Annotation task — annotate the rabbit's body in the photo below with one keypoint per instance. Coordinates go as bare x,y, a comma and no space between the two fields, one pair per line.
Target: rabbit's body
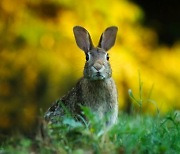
99,96
96,89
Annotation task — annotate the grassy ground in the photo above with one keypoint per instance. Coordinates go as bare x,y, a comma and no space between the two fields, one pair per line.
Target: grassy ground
132,134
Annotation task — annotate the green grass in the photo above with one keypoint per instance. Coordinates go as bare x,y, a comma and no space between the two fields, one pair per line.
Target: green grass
132,134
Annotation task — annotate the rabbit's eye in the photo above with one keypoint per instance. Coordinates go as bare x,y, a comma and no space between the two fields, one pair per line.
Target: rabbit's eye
87,57
107,57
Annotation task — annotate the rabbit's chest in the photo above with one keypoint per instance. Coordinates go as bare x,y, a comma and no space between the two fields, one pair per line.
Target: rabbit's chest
99,100
100,96
102,105
99,106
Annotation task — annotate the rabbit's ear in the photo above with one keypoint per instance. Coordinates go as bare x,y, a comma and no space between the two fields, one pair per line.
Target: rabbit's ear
108,38
82,38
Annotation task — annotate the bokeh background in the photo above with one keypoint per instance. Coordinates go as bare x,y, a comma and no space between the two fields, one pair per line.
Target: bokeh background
40,62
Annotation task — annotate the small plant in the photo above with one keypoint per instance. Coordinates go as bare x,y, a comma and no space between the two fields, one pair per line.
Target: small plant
140,101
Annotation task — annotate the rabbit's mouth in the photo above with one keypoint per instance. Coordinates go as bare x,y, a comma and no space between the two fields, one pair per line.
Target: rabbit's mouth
99,76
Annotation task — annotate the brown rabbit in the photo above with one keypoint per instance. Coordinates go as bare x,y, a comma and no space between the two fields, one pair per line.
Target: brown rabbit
96,89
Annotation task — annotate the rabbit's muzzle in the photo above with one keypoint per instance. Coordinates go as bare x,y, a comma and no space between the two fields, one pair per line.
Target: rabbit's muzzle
98,71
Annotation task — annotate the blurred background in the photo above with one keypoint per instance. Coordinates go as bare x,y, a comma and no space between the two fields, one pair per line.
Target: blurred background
40,62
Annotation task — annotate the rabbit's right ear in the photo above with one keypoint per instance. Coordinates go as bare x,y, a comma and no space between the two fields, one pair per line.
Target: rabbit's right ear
82,38
108,38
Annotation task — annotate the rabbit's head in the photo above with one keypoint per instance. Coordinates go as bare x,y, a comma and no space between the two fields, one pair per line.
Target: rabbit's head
97,65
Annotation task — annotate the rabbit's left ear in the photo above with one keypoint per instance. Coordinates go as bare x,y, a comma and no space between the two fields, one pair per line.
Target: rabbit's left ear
83,39
108,38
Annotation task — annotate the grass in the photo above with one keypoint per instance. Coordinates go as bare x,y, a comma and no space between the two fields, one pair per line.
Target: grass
132,134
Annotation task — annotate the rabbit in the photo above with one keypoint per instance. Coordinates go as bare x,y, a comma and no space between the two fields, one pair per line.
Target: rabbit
96,89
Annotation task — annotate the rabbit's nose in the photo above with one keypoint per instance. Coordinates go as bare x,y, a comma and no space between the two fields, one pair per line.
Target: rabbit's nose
98,67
